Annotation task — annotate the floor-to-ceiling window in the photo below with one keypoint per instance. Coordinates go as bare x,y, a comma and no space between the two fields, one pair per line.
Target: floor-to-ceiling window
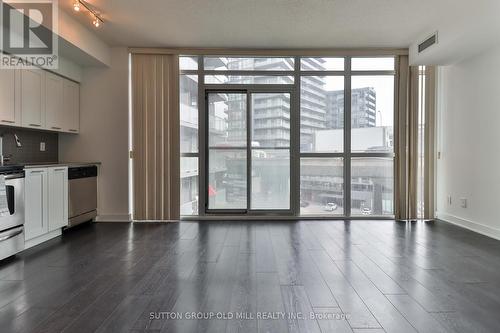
371,139
188,88
322,153
283,134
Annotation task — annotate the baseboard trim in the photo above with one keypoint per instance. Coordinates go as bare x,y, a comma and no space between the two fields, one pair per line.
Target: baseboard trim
470,225
41,239
156,221
113,218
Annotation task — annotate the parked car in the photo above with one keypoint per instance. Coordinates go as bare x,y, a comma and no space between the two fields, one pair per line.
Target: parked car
366,211
330,207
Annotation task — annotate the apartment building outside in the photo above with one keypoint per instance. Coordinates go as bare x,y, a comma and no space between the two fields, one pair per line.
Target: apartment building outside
363,108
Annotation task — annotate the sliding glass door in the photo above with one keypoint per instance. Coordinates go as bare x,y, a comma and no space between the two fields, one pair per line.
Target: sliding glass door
227,151
248,151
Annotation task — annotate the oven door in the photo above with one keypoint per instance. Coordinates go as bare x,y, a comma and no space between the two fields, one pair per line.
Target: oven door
15,198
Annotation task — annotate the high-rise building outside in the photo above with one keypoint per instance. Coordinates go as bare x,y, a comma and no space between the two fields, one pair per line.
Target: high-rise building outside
363,108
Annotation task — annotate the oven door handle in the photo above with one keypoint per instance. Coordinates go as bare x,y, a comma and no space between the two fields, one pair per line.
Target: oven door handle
11,235
14,176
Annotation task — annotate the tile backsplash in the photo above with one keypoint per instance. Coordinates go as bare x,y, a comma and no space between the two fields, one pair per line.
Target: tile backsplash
30,150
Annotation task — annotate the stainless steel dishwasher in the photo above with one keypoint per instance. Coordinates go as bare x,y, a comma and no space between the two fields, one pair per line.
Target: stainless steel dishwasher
82,198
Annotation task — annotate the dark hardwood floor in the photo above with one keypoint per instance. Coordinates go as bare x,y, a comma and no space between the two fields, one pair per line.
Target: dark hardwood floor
358,276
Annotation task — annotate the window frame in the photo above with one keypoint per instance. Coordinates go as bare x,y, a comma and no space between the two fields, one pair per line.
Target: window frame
296,154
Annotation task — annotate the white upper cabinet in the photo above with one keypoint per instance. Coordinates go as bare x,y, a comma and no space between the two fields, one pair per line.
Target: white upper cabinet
71,107
33,98
54,102
10,112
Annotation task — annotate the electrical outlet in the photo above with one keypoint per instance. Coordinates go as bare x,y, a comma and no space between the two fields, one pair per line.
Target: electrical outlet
449,200
463,202
42,146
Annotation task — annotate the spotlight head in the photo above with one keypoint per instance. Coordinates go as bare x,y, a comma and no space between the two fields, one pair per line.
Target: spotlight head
96,22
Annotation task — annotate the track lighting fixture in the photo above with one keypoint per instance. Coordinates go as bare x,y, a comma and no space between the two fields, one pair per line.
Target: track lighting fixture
96,17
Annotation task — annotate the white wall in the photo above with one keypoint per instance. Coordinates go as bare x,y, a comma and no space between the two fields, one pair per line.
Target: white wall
77,43
69,69
461,33
469,142
104,133
85,40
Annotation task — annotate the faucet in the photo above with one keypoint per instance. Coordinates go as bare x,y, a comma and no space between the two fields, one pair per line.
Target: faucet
4,158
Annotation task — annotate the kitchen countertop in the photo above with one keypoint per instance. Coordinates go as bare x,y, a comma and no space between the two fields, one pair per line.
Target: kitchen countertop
55,164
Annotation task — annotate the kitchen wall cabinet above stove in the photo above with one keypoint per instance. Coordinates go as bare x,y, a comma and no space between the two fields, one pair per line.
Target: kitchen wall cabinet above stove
33,97
10,97
37,99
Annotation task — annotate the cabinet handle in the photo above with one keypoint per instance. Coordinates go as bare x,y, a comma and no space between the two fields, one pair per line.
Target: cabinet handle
56,128
36,125
73,130
8,121
62,169
36,171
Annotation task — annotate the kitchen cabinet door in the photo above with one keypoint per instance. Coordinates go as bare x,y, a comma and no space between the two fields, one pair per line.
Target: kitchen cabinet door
9,97
35,206
32,98
58,197
71,107
54,102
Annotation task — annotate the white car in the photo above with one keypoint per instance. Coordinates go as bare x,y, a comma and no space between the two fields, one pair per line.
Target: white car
330,207
366,211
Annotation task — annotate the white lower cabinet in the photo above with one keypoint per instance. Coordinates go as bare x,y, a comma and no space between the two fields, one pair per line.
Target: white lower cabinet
35,203
46,203
58,198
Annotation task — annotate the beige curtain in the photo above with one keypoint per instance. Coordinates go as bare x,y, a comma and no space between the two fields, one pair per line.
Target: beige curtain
412,148
406,140
400,139
429,141
155,137
411,95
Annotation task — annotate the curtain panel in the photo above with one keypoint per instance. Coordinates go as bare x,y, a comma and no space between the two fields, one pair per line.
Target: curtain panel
155,136
429,103
401,139
415,94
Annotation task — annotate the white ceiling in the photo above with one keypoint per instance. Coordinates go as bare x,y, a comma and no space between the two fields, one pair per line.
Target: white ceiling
284,23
